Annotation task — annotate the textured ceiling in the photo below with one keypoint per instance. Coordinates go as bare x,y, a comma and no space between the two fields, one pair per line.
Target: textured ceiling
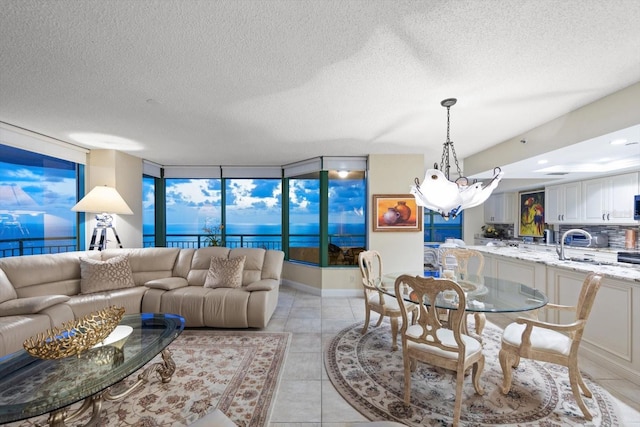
274,82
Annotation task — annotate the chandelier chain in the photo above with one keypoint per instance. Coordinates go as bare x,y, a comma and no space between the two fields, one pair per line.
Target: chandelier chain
444,162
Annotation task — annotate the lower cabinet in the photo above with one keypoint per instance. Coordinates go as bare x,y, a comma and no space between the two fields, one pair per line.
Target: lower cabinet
520,272
609,336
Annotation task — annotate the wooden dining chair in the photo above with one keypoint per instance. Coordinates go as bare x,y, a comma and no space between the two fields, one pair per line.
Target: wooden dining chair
464,262
370,263
550,342
429,342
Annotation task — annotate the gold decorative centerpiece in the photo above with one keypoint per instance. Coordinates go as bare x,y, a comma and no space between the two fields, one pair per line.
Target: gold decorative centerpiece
76,336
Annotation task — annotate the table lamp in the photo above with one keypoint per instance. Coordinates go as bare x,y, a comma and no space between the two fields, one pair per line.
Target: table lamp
104,201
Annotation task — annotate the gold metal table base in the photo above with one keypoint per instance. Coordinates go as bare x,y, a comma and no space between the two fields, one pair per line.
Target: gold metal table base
164,370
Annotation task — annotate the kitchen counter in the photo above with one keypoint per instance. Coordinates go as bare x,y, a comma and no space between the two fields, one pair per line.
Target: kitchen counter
546,254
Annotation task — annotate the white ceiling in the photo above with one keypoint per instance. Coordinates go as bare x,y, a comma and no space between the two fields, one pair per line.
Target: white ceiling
250,82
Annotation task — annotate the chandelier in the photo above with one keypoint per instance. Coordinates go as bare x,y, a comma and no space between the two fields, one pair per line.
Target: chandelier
438,193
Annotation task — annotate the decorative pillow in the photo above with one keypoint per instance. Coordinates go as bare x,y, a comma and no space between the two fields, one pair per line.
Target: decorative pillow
98,276
225,273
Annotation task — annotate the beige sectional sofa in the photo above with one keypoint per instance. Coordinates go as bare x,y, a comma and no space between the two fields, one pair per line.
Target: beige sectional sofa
39,292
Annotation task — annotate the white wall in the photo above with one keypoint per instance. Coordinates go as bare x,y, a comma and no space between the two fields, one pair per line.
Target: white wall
394,174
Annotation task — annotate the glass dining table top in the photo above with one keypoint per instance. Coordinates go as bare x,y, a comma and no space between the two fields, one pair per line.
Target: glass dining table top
30,386
484,294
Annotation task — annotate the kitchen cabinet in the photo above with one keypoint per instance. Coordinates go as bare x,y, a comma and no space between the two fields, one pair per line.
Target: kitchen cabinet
519,272
609,200
610,338
500,208
563,203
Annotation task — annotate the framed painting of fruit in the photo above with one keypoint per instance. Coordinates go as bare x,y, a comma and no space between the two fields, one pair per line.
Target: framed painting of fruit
396,212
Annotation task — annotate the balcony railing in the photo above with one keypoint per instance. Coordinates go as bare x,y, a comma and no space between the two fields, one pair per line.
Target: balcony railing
47,245
37,245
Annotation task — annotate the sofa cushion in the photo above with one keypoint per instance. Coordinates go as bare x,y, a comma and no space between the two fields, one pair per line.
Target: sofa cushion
167,283
262,285
7,292
31,305
225,273
98,276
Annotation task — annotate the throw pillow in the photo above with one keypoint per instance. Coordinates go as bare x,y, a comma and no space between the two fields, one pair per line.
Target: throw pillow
98,276
225,273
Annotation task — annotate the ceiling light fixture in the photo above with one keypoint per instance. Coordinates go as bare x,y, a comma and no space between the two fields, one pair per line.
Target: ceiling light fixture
619,141
446,197
343,174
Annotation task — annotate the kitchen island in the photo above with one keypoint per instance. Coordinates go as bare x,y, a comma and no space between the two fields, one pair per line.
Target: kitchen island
611,337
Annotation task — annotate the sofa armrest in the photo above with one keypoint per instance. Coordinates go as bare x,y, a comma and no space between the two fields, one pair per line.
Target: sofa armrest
30,305
262,285
167,283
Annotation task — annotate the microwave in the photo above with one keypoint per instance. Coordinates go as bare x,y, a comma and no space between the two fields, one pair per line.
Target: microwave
636,207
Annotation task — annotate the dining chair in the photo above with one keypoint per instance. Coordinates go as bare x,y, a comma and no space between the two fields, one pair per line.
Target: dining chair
370,263
551,342
464,262
428,341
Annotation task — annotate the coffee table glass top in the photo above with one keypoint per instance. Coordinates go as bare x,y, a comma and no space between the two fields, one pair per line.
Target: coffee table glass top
484,294
30,386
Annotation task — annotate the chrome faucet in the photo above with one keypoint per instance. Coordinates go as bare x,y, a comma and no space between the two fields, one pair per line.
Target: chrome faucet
560,246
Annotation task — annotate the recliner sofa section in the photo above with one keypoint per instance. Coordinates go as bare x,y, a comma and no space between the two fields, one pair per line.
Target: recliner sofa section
38,292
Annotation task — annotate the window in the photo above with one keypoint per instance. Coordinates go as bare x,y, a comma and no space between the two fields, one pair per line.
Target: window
437,229
304,218
37,193
253,213
191,205
347,220
148,211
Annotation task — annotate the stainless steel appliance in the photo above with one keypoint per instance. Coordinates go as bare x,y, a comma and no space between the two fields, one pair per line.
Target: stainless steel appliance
630,257
596,241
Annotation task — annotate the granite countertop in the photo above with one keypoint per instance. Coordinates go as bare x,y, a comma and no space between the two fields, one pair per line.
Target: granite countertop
614,270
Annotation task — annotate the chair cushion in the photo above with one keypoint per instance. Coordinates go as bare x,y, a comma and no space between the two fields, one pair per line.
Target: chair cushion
472,345
99,276
225,273
541,339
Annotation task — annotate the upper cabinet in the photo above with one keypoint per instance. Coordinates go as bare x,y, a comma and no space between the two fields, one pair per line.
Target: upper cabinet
500,208
563,203
610,200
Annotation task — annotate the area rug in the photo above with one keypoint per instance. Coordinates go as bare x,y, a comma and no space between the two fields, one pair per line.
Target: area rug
370,377
235,371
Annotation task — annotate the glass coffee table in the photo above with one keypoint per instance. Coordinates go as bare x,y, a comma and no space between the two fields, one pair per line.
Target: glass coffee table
30,386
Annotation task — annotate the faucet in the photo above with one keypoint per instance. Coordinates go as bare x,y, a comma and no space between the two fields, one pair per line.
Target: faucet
560,245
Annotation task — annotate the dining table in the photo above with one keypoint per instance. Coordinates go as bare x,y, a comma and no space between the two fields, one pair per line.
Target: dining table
483,293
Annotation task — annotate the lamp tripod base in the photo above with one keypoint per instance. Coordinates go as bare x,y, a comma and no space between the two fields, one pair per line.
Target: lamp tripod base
102,243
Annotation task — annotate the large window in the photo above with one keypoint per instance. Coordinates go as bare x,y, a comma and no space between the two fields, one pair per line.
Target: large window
37,193
192,205
347,220
304,218
253,213
437,229
148,211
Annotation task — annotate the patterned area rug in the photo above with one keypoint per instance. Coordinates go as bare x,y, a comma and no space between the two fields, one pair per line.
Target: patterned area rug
369,376
235,371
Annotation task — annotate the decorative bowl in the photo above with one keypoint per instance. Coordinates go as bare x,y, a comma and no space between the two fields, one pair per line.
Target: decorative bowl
76,336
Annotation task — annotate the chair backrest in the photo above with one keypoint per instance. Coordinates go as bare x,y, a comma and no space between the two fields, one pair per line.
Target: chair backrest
370,263
430,289
587,297
468,261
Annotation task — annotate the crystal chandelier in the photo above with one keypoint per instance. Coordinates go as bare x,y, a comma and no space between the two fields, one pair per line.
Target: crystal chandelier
438,193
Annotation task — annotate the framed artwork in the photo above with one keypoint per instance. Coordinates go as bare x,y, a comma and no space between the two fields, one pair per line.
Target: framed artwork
531,214
396,212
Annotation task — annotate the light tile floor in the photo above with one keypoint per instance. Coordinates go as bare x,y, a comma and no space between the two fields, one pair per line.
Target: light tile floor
306,397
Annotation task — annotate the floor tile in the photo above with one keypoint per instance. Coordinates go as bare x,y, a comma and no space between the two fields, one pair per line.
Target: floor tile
298,402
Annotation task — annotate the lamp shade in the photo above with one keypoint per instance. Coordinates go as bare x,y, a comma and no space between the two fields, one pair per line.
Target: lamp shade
103,199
